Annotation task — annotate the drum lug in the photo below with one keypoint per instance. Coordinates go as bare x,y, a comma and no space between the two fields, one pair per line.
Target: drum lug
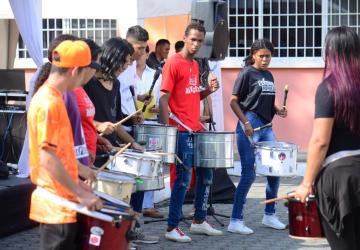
272,154
291,153
307,229
117,222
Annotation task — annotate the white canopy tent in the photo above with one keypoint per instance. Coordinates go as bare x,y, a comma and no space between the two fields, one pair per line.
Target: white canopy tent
28,15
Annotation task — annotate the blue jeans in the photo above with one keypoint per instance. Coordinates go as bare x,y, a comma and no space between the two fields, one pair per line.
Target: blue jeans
246,152
204,176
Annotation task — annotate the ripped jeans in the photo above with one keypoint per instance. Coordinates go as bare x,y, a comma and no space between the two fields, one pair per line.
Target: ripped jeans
204,176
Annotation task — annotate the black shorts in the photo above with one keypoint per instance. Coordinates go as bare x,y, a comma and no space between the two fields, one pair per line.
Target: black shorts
58,236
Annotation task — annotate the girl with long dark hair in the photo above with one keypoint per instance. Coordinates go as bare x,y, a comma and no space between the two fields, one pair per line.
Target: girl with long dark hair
253,102
333,163
103,91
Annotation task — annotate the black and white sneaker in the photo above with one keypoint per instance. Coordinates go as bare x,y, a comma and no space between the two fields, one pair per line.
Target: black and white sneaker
145,239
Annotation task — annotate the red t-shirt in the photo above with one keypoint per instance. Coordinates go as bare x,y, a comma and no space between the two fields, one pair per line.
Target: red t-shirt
87,113
180,78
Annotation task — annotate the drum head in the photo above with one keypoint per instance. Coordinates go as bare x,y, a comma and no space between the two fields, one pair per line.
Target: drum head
138,155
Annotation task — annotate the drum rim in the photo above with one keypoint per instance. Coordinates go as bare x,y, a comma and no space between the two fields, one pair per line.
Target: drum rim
155,125
293,199
102,178
293,145
214,132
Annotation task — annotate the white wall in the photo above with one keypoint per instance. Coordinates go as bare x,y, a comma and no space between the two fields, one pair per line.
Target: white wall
5,10
157,8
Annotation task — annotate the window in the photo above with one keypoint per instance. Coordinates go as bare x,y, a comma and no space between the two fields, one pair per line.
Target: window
344,12
99,30
297,28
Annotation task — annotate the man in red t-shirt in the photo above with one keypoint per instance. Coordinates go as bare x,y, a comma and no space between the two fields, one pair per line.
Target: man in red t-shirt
180,92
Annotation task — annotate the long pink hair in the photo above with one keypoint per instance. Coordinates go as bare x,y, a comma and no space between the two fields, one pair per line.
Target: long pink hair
342,73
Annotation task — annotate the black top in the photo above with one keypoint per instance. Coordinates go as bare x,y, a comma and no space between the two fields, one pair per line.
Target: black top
256,91
341,137
107,104
153,63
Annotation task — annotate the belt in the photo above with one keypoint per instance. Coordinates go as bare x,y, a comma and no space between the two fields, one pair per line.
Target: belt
339,155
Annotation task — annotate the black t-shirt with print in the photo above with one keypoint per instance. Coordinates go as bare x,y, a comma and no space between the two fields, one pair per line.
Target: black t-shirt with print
107,104
341,137
256,92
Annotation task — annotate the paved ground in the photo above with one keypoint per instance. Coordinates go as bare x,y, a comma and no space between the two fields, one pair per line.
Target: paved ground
263,238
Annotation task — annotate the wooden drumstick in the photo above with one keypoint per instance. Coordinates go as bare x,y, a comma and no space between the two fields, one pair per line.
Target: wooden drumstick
286,90
264,126
124,120
112,158
163,153
278,198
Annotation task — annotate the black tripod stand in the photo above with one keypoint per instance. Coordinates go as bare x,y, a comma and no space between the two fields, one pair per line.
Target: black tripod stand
211,210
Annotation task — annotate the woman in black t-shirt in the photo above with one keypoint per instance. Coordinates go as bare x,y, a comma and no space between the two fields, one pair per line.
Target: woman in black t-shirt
333,164
253,102
103,90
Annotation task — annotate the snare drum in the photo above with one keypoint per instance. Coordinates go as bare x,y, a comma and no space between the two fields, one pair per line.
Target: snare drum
274,158
115,184
106,232
136,164
304,219
158,136
152,183
214,149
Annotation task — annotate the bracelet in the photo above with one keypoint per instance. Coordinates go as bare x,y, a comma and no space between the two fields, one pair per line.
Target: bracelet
245,123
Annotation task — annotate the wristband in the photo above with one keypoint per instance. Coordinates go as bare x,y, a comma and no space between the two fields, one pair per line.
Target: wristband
245,123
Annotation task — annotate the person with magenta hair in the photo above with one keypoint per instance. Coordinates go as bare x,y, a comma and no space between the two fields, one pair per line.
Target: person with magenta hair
253,102
333,163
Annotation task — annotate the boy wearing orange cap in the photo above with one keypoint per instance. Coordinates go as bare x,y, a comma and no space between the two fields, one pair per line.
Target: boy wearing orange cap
53,165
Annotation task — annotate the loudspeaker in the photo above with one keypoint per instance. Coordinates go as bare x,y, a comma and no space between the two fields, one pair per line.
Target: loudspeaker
213,15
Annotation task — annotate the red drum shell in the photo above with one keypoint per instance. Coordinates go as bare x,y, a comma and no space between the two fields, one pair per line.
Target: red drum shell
114,236
304,219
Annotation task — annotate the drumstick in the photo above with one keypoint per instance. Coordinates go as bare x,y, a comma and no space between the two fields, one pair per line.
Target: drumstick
112,158
278,198
124,120
163,153
286,90
264,126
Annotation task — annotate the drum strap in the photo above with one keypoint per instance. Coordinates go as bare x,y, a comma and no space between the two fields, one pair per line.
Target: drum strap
339,155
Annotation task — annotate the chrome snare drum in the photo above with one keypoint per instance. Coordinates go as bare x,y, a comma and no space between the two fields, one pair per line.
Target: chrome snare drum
274,158
158,136
114,184
136,164
214,149
151,183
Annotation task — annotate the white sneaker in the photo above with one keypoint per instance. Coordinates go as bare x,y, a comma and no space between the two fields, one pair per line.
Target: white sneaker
204,228
238,227
177,235
273,222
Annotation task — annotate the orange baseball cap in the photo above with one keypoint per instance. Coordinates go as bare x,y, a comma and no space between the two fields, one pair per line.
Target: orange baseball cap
70,54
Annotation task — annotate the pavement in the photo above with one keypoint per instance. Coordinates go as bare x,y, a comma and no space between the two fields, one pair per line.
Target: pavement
263,238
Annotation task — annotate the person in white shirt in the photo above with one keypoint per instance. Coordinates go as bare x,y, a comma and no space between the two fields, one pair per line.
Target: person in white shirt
144,79
137,37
